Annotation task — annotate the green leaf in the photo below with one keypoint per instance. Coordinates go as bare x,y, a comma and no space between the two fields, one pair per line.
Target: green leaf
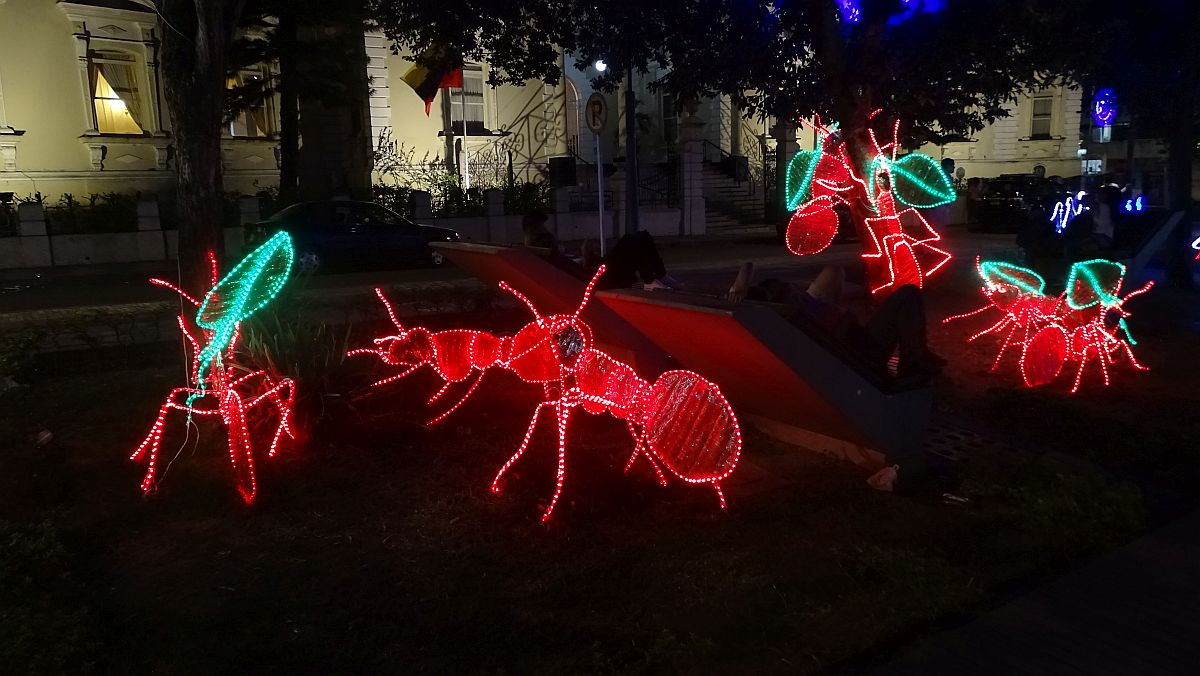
800,172
918,181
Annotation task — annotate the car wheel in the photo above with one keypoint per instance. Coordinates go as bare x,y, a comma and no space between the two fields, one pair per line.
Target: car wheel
437,258
308,262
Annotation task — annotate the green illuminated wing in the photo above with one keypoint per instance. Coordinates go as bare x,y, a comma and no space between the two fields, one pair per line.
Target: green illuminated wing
918,181
1094,281
250,285
998,272
800,172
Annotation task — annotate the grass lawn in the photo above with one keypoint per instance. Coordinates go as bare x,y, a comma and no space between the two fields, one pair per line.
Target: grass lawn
377,548
1143,426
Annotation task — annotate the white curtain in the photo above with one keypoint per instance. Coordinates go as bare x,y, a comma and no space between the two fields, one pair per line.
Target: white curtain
120,78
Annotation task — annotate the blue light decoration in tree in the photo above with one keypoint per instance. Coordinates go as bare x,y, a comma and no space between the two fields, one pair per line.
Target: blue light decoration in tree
851,10
1104,107
910,8
1134,205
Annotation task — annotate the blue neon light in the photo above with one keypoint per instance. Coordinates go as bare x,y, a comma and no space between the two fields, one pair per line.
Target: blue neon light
1104,107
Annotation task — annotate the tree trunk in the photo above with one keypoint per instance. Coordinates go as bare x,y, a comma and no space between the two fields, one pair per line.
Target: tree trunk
850,105
289,113
1180,144
196,42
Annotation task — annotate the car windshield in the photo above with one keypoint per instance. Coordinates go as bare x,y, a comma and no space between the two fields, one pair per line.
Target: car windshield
297,214
1002,189
380,216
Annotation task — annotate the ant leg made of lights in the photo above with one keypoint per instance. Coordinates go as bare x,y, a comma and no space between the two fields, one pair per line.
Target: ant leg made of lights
512,460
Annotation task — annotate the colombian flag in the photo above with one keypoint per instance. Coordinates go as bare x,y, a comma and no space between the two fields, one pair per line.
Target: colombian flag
442,71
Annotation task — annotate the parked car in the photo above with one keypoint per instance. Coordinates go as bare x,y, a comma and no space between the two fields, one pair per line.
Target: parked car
1005,203
342,233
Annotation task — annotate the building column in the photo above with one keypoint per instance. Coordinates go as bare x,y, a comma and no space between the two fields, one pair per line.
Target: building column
691,172
616,184
82,45
786,147
153,116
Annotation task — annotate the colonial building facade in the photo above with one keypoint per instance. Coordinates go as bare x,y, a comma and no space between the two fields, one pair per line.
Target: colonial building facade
82,109
82,112
1042,129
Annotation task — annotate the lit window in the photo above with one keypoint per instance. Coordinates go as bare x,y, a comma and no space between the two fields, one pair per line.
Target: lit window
115,97
1102,134
472,98
1043,111
256,120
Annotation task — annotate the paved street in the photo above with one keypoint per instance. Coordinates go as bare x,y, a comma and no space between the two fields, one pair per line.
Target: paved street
1133,611
710,263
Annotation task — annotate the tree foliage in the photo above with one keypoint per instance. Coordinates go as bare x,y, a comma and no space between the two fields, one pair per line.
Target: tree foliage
269,33
521,40
947,67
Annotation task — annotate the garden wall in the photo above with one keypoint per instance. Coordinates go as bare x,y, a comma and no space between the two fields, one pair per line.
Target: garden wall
34,247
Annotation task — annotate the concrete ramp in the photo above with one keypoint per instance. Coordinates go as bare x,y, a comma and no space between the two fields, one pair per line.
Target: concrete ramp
786,375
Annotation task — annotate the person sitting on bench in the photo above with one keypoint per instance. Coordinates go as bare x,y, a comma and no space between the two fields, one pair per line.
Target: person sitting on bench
634,260
533,224
896,325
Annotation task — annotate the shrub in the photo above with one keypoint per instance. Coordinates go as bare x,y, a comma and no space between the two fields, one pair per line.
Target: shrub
108,212
8,221
398,198
522,198
286,339
168,210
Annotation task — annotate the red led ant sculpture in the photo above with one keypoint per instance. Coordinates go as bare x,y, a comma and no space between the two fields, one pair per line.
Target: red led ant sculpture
680,422
901,250
1084,323
249,286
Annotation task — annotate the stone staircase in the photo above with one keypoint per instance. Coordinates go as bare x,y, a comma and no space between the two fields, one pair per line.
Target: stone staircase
731,207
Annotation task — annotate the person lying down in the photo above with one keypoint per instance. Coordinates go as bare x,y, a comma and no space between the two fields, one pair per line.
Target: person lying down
895,326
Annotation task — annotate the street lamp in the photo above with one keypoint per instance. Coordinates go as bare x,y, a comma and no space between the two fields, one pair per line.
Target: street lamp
600,66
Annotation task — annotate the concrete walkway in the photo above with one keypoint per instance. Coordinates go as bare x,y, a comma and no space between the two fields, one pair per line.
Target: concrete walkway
1133,611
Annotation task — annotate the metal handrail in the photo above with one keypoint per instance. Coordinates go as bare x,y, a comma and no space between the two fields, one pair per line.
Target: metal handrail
573,150
731,171
724,153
